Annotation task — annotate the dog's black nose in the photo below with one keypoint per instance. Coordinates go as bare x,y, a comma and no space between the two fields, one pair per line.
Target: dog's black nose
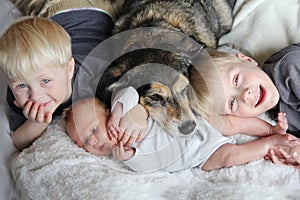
187,127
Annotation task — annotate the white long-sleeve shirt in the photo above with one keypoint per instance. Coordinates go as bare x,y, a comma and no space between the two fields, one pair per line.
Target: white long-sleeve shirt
159,151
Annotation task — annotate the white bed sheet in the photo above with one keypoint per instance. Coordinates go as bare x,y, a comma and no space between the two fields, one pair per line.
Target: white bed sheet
262,27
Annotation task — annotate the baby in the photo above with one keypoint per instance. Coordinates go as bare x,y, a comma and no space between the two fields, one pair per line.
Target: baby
92,127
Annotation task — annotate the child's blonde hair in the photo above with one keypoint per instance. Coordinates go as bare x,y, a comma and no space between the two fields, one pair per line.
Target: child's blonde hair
204,79
31,41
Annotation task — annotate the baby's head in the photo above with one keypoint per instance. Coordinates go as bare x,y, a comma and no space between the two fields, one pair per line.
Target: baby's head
233,84
86,125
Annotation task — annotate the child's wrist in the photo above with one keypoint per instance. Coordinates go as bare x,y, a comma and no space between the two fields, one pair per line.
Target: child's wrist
117,111
144,111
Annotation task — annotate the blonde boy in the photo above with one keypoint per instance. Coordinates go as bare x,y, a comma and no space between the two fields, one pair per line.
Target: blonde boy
39,74
41,61
246,92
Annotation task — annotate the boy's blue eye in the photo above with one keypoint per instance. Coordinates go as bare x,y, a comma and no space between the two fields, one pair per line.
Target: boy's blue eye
236,80
232,103
94,130
46,81
22,85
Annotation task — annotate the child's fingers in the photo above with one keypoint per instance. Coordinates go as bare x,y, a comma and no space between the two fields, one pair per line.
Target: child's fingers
121,148
125,136
284,153
113,129
33,112
27,108
48,117
111,132
274,158
40,114
115,152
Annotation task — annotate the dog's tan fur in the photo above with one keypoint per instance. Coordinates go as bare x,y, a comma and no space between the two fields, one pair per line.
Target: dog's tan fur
169,106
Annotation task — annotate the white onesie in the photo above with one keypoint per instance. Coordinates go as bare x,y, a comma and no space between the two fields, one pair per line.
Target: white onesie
159,151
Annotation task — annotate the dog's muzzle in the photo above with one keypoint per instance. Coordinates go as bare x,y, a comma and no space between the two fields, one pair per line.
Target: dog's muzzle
187,127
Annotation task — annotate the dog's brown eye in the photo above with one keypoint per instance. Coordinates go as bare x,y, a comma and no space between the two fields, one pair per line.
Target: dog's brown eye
157,97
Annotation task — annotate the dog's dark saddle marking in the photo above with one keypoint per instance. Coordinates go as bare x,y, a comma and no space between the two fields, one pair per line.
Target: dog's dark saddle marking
133,59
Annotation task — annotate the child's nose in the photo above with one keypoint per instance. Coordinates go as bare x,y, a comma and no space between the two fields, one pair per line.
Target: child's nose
247,95
36,94
93,140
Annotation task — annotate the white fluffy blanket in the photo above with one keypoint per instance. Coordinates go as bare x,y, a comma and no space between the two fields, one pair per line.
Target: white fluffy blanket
55,168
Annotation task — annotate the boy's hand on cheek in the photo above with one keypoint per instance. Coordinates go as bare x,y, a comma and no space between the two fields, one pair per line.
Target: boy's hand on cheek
35,112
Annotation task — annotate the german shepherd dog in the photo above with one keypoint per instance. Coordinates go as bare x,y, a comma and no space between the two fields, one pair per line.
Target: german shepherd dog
165,91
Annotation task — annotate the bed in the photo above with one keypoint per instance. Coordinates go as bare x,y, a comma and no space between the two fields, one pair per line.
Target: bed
55,168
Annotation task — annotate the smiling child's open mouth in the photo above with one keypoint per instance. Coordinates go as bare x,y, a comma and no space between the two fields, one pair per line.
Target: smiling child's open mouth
261,96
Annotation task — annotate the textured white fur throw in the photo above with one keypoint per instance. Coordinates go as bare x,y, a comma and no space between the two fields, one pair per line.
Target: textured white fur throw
55,168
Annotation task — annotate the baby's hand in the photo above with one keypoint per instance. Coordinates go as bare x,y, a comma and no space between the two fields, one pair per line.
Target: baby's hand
134,125
121,152
33,111
281,126
114,120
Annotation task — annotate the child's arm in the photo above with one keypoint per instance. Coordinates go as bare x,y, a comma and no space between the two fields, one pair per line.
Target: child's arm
134,125
253,126
232,154
128,120
114,120
36,123
131,127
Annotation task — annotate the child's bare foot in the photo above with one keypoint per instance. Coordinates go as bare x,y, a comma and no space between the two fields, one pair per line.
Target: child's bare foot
282,124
